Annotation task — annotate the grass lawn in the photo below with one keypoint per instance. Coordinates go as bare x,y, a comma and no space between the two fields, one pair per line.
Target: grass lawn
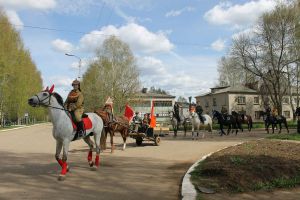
295,136
255,165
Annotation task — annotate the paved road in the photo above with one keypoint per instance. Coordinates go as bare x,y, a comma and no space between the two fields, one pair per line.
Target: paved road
28,169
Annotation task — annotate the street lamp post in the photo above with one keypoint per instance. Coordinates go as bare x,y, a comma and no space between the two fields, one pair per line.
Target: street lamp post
79,67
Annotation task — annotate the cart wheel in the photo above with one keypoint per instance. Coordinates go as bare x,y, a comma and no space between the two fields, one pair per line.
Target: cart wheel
139,141
157,141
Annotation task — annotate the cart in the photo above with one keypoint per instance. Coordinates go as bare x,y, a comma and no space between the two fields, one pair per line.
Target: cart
147,135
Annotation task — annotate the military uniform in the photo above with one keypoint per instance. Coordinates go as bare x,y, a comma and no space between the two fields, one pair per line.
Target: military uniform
108,107
176,111
74,104
199,111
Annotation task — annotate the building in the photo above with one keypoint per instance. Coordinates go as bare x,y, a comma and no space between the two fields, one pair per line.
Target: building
163,103
241,99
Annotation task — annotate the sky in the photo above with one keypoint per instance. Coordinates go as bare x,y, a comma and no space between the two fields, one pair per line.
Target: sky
177,43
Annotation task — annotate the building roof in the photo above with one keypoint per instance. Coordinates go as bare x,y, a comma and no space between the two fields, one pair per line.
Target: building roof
230,89
154,95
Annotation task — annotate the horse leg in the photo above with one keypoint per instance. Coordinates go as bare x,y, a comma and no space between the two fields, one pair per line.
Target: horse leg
97,138
112,141
64,169
124,133
286,126
90,154
267,127
273,128
280,127
59,145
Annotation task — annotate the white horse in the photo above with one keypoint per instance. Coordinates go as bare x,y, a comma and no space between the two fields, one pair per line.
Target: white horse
196,123
176,124
63,130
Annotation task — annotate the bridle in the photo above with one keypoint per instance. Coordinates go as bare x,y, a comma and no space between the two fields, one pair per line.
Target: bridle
41,102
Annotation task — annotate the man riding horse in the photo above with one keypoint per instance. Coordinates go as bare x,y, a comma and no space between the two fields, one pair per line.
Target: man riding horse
199,111
108,107
176,111
74,104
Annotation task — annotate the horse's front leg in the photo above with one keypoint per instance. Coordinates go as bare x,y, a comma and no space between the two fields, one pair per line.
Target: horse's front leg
90,154
273,127
66,144
280,127
58,150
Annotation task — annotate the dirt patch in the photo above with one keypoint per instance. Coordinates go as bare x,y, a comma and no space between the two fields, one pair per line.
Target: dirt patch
254,165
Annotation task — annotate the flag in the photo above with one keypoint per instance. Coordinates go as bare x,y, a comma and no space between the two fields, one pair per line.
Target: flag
128,112
153,118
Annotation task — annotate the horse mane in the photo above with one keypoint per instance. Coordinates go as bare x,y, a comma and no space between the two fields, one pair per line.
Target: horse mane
58,98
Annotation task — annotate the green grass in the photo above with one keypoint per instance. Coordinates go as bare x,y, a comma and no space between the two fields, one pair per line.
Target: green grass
8,127
295,136
278,183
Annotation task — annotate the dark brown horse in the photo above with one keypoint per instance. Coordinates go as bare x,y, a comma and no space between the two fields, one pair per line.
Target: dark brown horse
121,125
243,119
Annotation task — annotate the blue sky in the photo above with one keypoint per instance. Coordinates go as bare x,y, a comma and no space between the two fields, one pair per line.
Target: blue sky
177,43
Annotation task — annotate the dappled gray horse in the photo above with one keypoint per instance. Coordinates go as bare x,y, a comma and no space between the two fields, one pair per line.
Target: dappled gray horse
176,124
64,130
196,123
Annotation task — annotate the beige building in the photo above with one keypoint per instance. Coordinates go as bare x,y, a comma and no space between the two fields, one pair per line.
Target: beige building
163,103
240,99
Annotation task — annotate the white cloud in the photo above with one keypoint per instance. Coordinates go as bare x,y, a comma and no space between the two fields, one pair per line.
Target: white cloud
14,19
138,37
238,15
28,4
218,45
62,46
175,13
151,66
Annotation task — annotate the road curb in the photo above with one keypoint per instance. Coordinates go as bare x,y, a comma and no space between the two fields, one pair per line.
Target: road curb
24,126
188,191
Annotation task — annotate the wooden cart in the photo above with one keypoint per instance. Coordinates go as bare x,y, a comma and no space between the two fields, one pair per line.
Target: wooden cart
149,135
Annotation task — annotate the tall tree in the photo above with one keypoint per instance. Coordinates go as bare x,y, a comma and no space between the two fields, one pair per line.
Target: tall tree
114,73
266,54
16,66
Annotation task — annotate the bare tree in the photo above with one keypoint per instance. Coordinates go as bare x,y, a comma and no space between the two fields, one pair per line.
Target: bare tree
265,54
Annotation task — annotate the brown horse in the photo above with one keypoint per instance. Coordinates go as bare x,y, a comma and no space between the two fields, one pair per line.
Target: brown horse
243,119
121,125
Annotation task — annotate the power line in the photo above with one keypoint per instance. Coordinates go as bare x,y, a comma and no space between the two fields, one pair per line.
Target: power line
82,32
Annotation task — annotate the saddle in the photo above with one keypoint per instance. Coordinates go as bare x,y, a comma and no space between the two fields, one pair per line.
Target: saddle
87,123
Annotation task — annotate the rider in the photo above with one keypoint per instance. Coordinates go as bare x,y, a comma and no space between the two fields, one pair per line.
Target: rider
108,107
145,122
137,121
199,111
176,111
74,104
274,112
224,111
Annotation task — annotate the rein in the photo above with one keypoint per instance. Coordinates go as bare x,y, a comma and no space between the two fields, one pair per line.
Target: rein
48,97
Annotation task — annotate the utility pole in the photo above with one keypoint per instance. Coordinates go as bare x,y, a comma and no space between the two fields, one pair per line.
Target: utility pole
79,65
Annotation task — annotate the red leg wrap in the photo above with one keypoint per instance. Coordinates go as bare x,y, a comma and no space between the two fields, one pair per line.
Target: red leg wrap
60,162
64,168
97,160
90,156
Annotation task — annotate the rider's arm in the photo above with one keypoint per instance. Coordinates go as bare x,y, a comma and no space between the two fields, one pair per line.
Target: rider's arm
79,101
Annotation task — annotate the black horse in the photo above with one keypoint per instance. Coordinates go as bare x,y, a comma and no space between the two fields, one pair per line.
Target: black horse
226,120
243,119
272,120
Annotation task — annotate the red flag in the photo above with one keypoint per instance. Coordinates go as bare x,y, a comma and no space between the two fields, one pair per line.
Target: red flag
128,112
153,118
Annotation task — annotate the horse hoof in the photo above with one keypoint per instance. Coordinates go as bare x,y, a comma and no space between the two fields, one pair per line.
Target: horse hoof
91,164
94,168
61,177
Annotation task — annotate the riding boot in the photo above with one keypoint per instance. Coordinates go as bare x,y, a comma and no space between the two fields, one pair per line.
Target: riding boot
80,129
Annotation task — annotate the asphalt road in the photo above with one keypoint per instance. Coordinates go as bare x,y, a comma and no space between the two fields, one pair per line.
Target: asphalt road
28,169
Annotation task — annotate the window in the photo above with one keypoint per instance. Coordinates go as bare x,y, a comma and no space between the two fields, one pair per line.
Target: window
214,102
295,101
241,100
257,115
287,114
162,103
256,100
206,103
285,100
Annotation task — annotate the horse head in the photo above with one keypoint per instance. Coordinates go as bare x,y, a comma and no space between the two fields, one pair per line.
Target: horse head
42,98
215,114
